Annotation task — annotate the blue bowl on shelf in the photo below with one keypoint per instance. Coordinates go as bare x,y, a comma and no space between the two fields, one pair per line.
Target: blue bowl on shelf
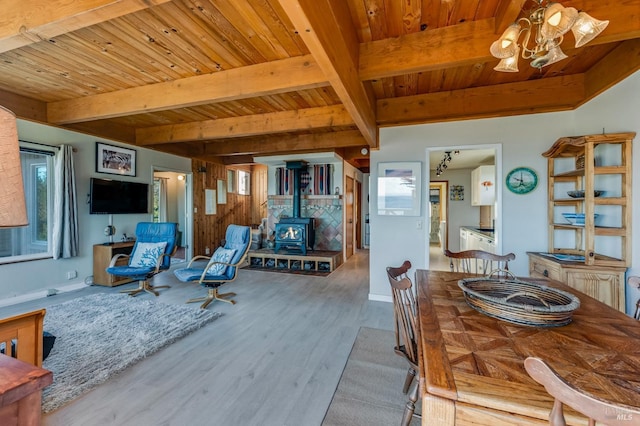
577,219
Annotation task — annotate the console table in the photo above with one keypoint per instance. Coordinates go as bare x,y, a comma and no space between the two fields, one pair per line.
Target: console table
472,366
102,254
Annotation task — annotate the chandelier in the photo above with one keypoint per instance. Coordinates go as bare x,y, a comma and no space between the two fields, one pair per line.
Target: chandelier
549,23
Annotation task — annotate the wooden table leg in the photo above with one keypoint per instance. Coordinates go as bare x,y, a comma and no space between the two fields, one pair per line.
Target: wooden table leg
438,411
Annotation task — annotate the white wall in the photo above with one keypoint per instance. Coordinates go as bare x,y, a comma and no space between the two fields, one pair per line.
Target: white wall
31,278
618,110
523,139
460,212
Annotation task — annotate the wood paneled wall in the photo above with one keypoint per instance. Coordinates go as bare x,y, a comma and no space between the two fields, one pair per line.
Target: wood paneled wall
208,230
259,178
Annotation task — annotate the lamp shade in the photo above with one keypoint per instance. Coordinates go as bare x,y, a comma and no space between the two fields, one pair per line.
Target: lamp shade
506,45
587,28
555,54
558,20
509,64
13,211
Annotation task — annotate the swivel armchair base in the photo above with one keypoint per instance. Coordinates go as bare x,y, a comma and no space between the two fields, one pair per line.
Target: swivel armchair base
145,286
212,295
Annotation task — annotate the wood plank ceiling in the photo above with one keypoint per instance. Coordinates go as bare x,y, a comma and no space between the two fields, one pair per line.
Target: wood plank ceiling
227,80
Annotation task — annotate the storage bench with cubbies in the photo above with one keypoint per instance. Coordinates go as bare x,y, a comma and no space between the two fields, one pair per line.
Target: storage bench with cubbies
314,261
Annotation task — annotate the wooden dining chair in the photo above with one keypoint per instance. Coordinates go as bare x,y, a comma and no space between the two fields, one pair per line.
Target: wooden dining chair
635,281
406,331
596,410
480,262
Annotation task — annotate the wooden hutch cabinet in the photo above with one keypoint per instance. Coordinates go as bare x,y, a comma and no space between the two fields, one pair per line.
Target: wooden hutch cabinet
589,175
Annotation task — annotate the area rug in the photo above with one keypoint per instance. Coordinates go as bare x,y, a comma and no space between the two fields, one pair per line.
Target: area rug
100,335
369,392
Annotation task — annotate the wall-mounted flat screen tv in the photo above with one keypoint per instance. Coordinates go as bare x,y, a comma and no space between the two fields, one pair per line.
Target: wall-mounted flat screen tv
108,196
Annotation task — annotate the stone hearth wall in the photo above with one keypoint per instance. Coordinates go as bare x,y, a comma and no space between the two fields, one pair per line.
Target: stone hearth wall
325,209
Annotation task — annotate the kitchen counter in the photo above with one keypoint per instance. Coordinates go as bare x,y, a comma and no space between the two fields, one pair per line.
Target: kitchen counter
475,238
486,232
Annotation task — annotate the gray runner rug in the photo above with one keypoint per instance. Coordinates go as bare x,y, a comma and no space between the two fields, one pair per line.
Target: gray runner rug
370,390
100,335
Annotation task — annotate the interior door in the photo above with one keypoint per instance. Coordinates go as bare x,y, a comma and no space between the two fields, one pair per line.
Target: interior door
348,213
357,213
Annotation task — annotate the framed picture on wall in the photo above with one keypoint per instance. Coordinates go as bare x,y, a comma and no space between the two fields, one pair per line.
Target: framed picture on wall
222,192
210,202
399,188
456,193
115,160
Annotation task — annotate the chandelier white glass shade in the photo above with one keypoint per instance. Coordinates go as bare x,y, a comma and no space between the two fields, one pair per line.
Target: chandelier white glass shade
545,29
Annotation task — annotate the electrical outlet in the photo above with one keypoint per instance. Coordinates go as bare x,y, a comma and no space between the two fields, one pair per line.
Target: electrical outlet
72,274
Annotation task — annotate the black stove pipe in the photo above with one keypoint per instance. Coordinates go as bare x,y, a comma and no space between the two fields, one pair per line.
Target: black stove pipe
298,167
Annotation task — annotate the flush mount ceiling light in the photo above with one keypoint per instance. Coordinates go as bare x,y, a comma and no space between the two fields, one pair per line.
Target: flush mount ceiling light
364,151
549,22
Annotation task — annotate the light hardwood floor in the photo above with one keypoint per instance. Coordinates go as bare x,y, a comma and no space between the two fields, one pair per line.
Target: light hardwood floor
275,358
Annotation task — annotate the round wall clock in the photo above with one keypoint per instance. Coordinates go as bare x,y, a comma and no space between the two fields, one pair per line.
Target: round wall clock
522,180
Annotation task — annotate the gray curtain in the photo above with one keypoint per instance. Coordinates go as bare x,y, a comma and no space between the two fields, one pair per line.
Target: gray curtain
65,239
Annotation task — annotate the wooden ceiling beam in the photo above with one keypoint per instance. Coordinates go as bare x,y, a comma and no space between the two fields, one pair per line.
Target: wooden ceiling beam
325,27
619,64
285,75
234,160
544,95
428,50
468,43
285,143
251,125
24,22
507,13
24,107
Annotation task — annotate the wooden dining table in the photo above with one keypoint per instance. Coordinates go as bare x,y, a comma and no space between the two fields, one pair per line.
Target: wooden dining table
472,365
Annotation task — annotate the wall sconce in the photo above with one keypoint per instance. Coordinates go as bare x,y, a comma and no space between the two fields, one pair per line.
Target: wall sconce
202,169
180,177
13,210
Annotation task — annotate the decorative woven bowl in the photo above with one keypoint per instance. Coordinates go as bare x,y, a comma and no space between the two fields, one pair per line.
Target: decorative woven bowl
519,302
580,193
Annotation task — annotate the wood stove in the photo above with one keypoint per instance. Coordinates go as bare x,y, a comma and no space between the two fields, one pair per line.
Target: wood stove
295,233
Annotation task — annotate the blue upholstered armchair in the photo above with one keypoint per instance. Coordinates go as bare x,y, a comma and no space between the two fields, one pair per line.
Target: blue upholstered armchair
155,244
221,268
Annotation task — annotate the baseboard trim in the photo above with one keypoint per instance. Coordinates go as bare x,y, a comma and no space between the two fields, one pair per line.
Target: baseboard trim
380,298
41,294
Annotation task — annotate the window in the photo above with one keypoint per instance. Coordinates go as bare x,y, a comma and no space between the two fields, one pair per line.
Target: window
32,241
231,181
244,182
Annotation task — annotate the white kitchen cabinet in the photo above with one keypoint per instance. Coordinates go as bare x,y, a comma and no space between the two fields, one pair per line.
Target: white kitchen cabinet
483,186
463,239
488,244
471,239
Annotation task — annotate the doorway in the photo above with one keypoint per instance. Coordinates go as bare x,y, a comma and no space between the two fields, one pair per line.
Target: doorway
438,235
349,189
170,200
450,169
